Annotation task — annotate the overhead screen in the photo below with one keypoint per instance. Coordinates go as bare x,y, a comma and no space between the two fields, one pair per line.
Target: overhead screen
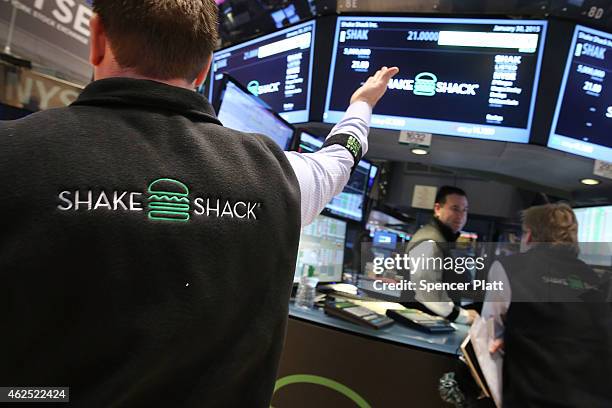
349,203
461,77
240,110
582,123
276,67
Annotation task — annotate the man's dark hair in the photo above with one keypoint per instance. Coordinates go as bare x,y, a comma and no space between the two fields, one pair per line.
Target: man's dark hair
162,39
445,191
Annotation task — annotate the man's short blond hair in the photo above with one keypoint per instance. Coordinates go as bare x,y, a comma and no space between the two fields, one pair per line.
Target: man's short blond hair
161,39
553,223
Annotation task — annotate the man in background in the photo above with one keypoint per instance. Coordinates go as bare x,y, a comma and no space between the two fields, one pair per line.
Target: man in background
434,241
551,319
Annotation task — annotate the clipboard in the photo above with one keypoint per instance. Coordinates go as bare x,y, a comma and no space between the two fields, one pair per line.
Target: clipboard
469,354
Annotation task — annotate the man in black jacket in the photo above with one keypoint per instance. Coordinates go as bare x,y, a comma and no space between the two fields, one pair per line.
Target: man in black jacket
552,318
147,253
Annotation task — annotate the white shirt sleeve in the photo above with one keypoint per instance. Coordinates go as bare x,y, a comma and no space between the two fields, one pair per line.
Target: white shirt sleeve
497,303
436,301
323,174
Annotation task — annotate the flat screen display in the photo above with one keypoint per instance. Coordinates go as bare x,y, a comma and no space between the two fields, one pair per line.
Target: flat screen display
322,245
240,110
276,67
474,78
385,239
582,123
595,234
349,203
309,143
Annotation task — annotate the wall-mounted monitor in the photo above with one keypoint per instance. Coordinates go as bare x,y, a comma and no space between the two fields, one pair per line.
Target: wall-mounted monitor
474,78
238,109
582,123
276,67
350,202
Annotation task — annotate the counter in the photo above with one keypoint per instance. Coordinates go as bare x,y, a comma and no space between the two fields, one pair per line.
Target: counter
329,362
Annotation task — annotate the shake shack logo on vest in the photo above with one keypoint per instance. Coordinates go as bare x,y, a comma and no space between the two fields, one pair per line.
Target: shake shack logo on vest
165,200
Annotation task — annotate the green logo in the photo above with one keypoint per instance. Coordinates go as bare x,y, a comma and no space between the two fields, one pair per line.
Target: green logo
253,87
353,145
575,282
325,382
168,200
425,84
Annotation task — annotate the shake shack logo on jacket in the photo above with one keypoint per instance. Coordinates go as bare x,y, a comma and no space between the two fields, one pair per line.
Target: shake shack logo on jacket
168,200
165,200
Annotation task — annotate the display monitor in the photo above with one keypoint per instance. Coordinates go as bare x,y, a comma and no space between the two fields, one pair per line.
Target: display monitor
322,245
474,78
595,234
582,123
309,143
240,110
385,239
276,67
349,203
594,224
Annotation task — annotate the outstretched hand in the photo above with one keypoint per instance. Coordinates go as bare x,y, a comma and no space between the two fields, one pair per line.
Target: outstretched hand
375,87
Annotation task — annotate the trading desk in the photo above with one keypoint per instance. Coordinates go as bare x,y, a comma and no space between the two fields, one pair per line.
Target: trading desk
329,362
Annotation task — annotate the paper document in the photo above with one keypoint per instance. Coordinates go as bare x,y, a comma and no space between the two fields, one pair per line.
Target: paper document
482,333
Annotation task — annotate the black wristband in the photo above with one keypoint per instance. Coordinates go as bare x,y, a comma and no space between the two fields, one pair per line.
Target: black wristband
350,143
454,314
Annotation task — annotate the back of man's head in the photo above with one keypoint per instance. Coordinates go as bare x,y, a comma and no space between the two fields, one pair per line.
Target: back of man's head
553,223
445,191
162,39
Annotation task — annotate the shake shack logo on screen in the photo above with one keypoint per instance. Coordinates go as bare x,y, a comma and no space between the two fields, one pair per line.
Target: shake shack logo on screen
427,84
257,89
166,200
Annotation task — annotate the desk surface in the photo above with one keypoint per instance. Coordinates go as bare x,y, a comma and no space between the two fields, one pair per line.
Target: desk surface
447,343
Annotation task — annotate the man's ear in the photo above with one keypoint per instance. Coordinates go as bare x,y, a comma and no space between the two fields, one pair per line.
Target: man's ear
203,73
436,208
528,236
97,40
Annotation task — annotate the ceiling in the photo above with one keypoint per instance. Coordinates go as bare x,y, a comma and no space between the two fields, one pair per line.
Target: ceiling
530,167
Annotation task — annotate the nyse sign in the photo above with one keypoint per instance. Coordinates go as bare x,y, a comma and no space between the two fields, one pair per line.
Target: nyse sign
29,90
64,23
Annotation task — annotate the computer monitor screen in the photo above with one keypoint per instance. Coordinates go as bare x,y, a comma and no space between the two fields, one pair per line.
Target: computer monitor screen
309,143
385,239
582,123
349,203
240,110
322,245
276,67
595,234
594,224
474,78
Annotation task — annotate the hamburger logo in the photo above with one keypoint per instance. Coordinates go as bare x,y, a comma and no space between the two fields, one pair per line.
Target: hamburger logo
168,200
